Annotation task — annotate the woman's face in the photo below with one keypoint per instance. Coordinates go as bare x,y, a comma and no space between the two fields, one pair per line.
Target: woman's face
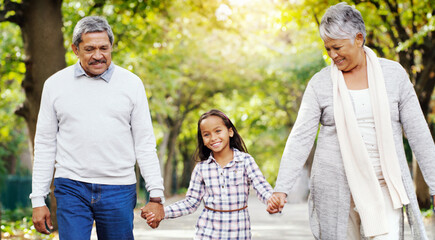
345,54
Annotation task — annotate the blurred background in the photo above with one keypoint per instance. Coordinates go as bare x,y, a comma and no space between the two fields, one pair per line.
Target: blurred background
249,58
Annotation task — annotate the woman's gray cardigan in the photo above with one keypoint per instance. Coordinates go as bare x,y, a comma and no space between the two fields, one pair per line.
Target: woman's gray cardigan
329,200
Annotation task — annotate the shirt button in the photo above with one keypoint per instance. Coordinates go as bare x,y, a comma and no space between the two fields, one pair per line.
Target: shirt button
222,186
222,174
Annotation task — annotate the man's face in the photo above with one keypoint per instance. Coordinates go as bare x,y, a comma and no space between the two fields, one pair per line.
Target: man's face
94,53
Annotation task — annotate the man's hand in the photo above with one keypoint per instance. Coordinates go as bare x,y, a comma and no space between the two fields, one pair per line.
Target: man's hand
41,216
276,202
157,210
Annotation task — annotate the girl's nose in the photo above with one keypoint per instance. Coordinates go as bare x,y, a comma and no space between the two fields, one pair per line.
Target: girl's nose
213,136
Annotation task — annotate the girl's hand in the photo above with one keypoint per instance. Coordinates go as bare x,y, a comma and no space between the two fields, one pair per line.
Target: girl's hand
150,217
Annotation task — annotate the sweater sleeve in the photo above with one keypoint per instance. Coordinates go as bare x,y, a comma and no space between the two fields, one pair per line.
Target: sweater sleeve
417,131
300,141
45,149
145,144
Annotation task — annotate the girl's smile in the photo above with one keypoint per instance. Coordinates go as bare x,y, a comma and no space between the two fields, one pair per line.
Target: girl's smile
216,145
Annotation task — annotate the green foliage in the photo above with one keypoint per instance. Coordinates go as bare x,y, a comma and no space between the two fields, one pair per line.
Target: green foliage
17,224
12,128
193,56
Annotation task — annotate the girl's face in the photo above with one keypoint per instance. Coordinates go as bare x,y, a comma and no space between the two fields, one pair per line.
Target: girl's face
345,54
215,135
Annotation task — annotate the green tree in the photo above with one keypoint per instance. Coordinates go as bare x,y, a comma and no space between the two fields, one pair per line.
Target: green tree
12,139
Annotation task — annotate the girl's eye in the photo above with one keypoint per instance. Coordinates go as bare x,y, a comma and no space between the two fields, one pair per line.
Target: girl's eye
218,130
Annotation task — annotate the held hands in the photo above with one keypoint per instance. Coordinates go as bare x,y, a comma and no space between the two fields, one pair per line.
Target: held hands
41,216
276,202
153,213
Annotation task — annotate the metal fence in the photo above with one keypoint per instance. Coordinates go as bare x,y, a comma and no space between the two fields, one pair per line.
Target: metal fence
15,191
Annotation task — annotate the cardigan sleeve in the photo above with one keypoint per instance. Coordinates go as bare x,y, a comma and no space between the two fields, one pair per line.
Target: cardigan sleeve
417,132
300,141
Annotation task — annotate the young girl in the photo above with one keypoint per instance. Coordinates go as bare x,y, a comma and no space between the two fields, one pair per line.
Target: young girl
222,179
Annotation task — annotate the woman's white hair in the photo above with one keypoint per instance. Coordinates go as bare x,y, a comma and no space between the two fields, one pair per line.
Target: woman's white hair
342,21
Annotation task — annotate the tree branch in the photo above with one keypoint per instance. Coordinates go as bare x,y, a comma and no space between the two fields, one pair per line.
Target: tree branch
97,4
386,22
8,7
403,36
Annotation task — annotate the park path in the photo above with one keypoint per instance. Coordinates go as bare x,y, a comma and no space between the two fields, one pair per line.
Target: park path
291,224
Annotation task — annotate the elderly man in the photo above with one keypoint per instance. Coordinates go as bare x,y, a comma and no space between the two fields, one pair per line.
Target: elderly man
93,125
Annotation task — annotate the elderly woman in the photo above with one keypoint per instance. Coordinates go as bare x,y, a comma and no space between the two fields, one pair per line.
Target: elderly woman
360,179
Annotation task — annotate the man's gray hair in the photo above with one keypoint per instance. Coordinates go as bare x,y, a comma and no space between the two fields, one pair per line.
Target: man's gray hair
90,25
342,21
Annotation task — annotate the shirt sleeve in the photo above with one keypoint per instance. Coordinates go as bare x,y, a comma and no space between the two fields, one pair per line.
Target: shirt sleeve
259,182
145,144
194,195
417,132
300,141
44,149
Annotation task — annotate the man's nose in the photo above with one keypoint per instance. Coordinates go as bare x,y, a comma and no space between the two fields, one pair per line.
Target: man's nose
97,55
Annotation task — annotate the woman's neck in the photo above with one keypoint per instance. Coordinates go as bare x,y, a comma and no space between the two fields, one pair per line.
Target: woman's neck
224,157
356,78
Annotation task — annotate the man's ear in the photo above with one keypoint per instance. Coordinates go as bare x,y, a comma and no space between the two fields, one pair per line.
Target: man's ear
75,49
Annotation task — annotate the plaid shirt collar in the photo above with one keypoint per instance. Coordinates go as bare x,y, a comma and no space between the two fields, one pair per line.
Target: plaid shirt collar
106,75
237,157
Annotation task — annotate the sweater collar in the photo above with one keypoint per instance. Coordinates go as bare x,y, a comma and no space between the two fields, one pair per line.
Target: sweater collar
106,75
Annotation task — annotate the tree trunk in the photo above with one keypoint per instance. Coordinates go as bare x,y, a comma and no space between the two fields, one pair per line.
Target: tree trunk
41,30
188,165
425,84
169,164
421,188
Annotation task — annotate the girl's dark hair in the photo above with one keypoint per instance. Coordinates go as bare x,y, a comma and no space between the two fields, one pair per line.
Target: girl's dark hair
202,152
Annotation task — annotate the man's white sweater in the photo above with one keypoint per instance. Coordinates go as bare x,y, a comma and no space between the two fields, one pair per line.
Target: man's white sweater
93,131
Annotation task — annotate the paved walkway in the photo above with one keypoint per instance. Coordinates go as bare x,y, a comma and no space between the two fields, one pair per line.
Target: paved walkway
291,224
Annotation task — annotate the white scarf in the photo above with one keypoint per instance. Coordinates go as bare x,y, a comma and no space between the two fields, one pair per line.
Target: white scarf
361,177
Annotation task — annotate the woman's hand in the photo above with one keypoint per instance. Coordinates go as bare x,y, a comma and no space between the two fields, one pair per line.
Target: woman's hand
276,202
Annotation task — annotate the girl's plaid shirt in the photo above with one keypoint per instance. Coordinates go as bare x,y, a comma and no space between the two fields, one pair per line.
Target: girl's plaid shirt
222,189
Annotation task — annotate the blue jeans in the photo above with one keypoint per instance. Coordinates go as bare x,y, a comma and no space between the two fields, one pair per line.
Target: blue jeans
80,203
